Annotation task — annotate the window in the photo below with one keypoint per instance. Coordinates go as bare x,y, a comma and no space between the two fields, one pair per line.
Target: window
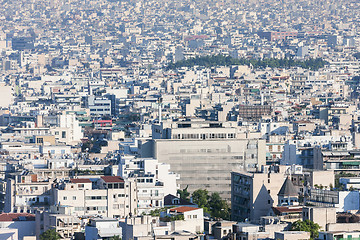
63,134
40,140
74,197
65,198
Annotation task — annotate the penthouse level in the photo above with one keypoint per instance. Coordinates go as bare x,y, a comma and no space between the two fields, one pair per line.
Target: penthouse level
194,130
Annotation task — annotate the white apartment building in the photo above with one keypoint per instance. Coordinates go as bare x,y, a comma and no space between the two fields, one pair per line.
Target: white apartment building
130,165
25,194
69,131
154,180
60,218
102,228
109,196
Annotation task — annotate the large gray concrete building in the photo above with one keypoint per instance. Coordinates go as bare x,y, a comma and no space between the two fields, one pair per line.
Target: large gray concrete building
204,154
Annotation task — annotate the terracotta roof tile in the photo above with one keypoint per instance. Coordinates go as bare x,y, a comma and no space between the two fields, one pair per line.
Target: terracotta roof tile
112,179
9,217
80,180
183,209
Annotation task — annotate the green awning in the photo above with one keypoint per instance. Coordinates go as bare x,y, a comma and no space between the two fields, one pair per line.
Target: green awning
351,163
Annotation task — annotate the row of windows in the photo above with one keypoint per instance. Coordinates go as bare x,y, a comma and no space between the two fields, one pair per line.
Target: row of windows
63,134
120,195
204,150
115,185
66,198
95,197
100,208
100,110
204,136
63,151
118,206
142,180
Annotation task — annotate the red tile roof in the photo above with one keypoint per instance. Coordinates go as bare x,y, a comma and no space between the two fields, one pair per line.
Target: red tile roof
182,209
80,180
287,209
9,217
112,179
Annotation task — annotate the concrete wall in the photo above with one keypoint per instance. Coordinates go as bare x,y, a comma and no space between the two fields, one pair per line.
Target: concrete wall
24,228
324,178
343,227
348,201
208,163
9,234
320,215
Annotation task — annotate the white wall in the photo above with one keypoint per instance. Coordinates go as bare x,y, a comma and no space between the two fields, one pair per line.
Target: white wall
348,201
24,228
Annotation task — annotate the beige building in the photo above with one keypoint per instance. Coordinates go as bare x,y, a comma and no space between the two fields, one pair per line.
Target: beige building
253,194
320,215
292,235
60,218
25,194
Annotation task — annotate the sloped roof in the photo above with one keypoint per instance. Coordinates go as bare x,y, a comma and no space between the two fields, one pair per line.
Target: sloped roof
288,189
286,209
10,217
168,201
112,179
183,209
80,180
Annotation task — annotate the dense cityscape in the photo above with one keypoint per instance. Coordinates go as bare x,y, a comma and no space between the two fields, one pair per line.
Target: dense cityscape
139,120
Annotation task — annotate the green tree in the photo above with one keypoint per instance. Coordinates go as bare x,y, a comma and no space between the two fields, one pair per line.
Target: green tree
115,238
201,198
50,234
219,208
307,226
221,60
184,194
